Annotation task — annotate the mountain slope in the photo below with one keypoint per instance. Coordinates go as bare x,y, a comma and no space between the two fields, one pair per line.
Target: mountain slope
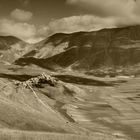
6,41
12,48
117,47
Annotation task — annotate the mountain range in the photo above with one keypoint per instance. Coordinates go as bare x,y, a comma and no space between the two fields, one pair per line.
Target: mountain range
107,49
80,86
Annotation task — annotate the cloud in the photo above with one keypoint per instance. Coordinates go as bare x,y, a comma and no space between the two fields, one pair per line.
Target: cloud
100,14
21,15
106,7
18,26
18,29
75,24
32,34
124,12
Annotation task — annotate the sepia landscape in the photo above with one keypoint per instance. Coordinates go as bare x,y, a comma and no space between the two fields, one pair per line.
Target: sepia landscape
75,78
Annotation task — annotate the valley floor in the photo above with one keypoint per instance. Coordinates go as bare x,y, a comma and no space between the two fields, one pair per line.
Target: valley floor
78,108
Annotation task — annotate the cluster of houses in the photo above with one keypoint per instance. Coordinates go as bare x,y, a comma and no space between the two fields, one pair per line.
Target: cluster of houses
38,81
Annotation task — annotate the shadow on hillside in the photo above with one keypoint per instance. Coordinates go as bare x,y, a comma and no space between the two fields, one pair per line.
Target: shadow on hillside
64,78
16,77
63,59
81,80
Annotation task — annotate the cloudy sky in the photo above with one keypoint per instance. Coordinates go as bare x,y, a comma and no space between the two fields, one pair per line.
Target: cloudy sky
34,20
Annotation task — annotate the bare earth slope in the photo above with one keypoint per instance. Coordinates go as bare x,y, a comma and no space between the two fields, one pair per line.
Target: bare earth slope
12,48
117,48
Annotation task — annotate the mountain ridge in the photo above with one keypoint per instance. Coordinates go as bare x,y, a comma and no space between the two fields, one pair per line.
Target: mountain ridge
12,48
116,47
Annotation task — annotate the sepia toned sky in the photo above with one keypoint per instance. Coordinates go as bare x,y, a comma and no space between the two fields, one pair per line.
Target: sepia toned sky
34,20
